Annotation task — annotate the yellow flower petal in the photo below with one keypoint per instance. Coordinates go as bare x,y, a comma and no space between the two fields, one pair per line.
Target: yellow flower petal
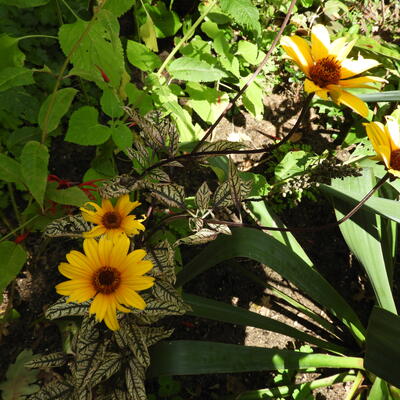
140,282
68,287
124,206
105,248
310,86
392,130
131,226
320,42
340,49
91,204
358,82
131,298
119,252
74,272
90,246
93,217
110,318
95,232
299,50
99,306
354,67
107,206
77,258
348,99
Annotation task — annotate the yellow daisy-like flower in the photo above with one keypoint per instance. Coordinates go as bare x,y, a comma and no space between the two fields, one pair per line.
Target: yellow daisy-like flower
113,221
386,142
328,70
108,274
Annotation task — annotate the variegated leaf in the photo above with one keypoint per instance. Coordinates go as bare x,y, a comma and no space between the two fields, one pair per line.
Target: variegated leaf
245,188
63,309
158,174
160,309
47,360
202,236
234,184
166,292
82,393
136,342
119,394
134,379
109,366
174,164
71,226
171,194
203,196
220,228
54,391
118,186
173,141
219,146
222,196
195,224
154,335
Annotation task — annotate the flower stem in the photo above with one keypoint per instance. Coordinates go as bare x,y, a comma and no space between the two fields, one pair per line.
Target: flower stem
19,228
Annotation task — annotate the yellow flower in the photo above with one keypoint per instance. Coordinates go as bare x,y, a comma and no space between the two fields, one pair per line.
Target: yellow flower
386,142
327,69
108,274
113,221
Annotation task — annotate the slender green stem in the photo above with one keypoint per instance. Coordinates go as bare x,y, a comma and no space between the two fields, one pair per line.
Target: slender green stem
14,203
19,228
185,37
354,388
70,9
284,391
37,36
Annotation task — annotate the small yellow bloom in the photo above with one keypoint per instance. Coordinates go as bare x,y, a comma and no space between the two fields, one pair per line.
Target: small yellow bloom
327,69
108,274
112,221
386,142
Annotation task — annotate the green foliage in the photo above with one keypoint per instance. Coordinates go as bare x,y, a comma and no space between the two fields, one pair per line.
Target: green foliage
141,57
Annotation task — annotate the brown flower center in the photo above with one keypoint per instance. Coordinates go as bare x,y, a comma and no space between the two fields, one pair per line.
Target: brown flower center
106,280
395,160
325,71
111,220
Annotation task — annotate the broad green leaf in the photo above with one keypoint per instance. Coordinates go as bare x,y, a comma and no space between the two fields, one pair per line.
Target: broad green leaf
363,237
199,49
166,22
333,7
122,136
211,29
244,12
139,99
10,54
61,103
111,104
99,48
371,44
118,7
191,69
20,380
253,98
17,139
383,345
379,391
34,163
13,257
15,76
10,170
188,357
218,311
84,128
390,95
293,163
147,33
261,247
249,51
24,3
141,57
72,196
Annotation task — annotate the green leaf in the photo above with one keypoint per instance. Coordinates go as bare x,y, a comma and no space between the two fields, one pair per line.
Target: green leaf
118,7
383,345
15,76
390,95
139,99
13,258
84,129
141,57
251,243
17,139
363,237
293,163
10,170
34,163
111,104
166,22
249,51
191,69
10,54
72,196
218,311
99,48
253,98
122,136
187,357
243,12
147,33
385,49
62,103
19,378
24,3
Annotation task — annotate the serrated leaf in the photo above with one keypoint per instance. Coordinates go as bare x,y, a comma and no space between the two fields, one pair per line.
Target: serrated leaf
194,70
13,258
243,12
63,309
70,226
134,380
118,7
84,129
54,391
99,47
19,378
61,102
34,163
202,236
47,360
141,57
10,170
171,194
222,196
203,196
